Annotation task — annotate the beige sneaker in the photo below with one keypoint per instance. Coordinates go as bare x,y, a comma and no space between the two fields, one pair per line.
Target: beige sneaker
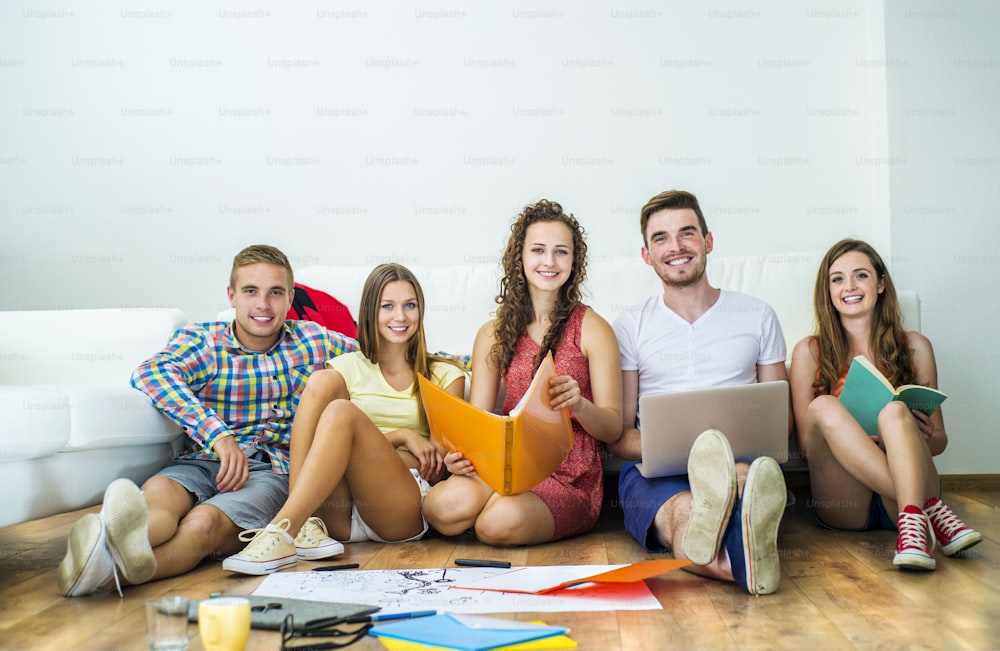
712,475
270,549
126,518
314,542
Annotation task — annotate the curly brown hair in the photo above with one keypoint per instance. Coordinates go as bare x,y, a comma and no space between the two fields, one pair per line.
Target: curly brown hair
888,341
515,311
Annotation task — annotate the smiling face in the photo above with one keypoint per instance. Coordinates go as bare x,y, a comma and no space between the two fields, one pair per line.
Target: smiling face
854,285
547,255
398,312
261,294
676,248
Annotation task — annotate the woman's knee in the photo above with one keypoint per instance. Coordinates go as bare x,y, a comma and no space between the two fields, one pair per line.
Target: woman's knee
339,412
322,385
895,417
823,411
491,531
500,523
448,509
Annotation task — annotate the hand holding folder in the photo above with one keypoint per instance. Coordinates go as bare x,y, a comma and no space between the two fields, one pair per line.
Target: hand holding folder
513,453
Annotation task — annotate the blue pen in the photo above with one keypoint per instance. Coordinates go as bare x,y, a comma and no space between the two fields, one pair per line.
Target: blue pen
358,619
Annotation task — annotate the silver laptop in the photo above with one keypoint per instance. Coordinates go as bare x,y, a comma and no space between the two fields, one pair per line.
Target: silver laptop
754,418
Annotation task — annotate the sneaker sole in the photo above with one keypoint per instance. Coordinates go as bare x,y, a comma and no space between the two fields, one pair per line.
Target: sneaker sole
257,568
128,531
962,543
712,475
764,497
317,553
84,547
915,561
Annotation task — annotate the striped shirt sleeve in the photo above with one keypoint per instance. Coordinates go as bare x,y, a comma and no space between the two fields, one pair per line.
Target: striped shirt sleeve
171,379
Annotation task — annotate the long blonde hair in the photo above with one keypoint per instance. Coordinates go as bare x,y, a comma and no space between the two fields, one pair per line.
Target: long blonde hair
888,341
369,341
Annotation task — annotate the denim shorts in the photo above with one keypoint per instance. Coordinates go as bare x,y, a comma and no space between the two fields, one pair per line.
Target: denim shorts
878,517
250,507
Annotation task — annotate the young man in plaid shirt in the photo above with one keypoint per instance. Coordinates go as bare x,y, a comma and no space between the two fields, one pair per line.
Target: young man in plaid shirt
233,388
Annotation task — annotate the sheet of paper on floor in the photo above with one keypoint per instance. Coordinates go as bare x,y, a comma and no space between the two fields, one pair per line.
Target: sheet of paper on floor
422,589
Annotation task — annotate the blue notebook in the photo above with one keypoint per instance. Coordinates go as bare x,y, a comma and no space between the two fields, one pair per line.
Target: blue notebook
465,632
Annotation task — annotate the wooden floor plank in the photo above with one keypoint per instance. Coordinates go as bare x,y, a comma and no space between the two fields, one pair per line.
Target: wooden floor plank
838,591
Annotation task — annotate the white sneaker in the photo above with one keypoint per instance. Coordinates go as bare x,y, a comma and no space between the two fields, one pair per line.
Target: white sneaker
88,564
314,542
126,519
270,549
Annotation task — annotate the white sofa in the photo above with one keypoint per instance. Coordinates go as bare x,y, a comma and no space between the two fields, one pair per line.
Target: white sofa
73,423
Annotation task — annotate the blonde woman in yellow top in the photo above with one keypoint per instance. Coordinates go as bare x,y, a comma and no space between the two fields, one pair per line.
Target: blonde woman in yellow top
361,457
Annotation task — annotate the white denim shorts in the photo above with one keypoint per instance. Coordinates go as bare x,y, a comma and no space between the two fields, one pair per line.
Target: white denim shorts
361,532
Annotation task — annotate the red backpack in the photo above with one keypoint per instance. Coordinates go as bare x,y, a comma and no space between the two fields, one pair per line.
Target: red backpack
310,304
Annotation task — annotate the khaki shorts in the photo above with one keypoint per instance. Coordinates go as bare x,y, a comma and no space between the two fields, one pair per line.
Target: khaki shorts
251,507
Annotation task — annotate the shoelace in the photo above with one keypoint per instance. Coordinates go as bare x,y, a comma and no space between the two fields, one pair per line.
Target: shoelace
118,583
313,531
913,531
114,562
250,534
944,519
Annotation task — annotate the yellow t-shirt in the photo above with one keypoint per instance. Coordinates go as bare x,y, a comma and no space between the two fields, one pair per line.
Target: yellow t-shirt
389,409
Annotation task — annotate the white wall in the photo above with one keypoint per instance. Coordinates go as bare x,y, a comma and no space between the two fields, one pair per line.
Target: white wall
944,144
140,148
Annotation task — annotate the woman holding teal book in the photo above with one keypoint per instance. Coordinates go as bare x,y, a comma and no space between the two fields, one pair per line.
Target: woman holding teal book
858,481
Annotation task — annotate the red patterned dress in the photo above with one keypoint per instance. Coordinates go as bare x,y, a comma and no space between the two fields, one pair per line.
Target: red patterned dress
574,492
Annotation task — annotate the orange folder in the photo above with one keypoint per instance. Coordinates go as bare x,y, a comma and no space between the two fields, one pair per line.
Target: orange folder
513,453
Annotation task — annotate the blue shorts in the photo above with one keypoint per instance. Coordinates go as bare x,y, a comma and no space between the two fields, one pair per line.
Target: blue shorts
250,507
878,517
641,498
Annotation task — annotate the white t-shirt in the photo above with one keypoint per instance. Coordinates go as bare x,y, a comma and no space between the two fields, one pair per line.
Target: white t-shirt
722,348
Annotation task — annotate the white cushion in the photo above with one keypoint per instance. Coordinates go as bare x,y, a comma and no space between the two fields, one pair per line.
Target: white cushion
113,415
36,423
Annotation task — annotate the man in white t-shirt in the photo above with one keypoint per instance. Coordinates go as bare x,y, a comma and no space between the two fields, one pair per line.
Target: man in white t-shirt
722,516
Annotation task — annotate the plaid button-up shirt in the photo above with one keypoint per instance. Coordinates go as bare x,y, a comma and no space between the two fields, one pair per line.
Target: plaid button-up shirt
208,383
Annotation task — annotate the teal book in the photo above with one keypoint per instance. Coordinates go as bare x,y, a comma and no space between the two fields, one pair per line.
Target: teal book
867,391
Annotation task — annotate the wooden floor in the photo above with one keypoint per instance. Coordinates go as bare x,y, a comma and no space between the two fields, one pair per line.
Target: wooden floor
838,591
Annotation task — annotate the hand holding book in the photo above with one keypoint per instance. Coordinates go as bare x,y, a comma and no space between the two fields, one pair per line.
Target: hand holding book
867,391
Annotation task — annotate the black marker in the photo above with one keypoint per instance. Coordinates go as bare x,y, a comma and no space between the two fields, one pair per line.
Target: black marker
333,568
471,562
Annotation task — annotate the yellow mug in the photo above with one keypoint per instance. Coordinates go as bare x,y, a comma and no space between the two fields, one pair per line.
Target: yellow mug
224,623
